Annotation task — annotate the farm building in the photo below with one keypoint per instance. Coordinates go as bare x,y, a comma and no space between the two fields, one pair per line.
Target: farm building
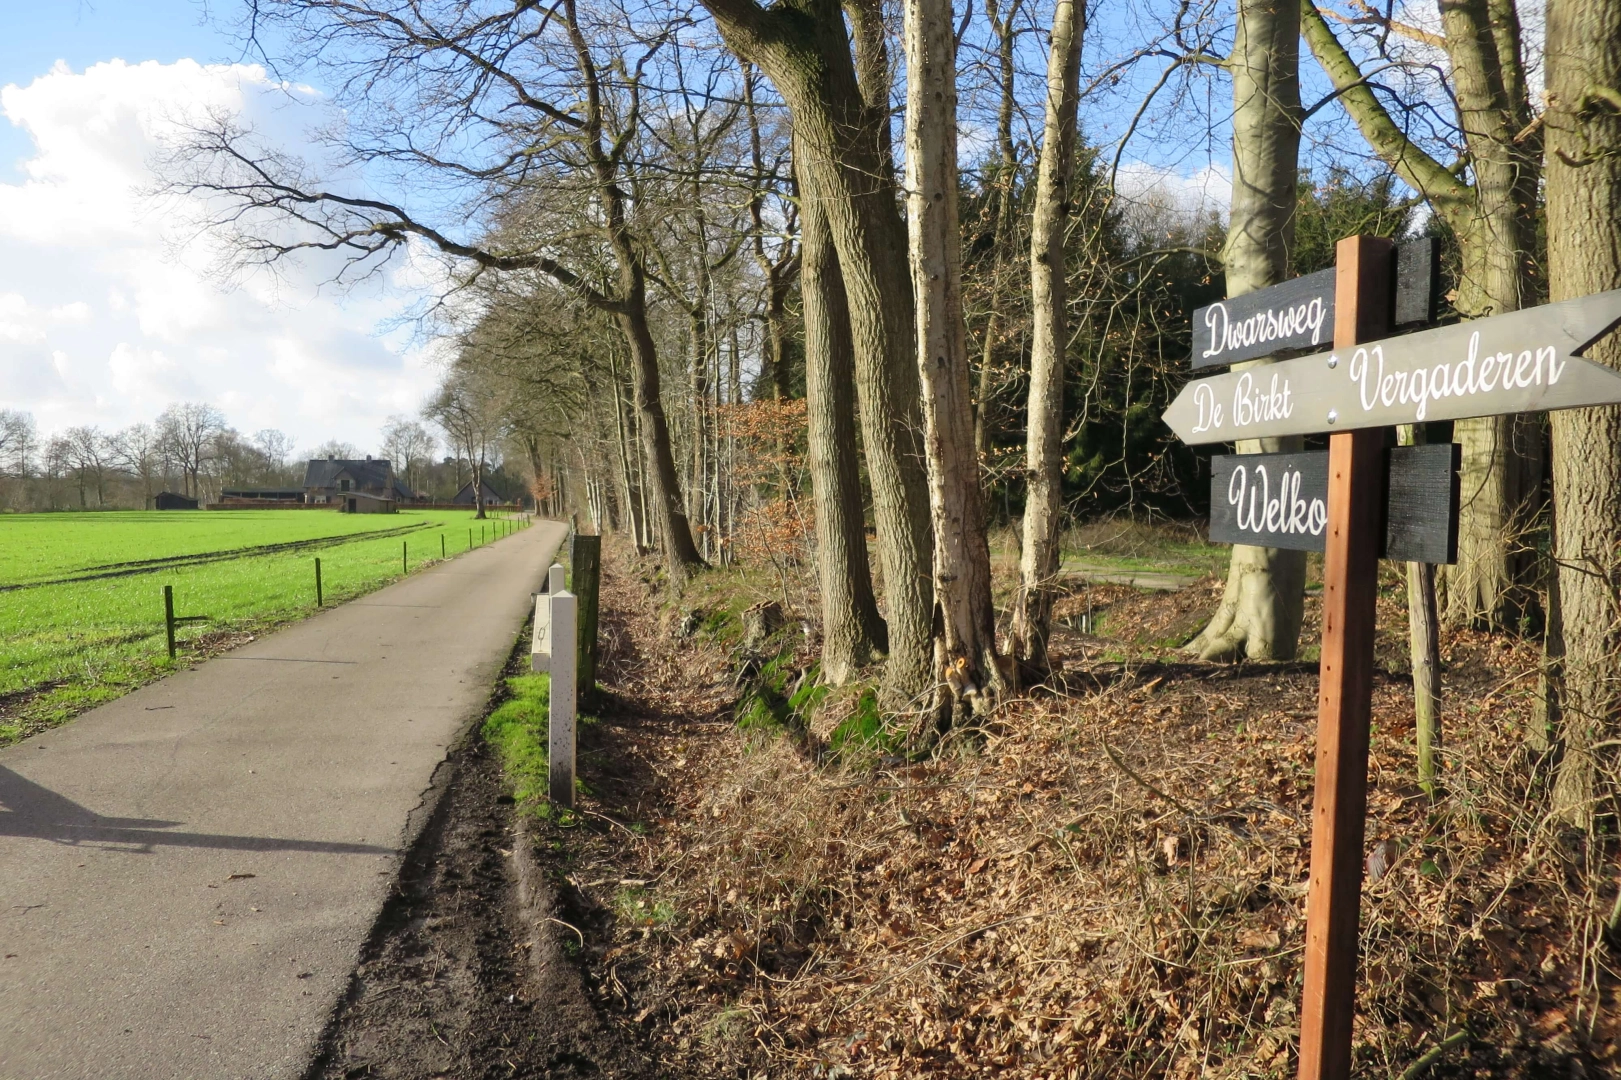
359,502
168,500
487,495
291,495
333,479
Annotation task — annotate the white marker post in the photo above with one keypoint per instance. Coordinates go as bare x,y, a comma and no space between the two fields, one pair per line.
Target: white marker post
540,652
564,647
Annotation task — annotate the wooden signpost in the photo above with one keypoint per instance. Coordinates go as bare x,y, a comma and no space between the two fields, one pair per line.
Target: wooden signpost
1523,361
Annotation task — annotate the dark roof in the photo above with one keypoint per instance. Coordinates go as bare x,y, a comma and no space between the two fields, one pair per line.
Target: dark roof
371,473
486,493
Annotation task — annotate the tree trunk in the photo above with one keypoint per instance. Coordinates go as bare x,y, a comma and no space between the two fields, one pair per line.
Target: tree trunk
1501,476
845,167
680,554
965,652
633,501
1492,220
1005,212
1584,256
852,629
1261,610
1044,460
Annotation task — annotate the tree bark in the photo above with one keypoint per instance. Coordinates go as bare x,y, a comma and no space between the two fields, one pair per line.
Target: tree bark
846,168
1584,256
1044,462
852,629
1262,607
680,554
1005,213
1492,220
965,651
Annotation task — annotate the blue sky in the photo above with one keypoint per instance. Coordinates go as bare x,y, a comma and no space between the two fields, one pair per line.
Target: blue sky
112,305
83,32
110,309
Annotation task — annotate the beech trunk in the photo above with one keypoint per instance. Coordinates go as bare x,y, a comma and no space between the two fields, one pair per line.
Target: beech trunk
965,650
1044,462
1262,607
852,630
1584,256
845,166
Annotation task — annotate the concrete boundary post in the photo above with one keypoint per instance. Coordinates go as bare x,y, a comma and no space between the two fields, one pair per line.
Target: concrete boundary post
564,657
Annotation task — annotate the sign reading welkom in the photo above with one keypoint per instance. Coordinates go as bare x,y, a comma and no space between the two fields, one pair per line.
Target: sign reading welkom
1524,361
1281,501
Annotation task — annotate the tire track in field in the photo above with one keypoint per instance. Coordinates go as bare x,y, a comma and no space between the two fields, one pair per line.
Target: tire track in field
171,562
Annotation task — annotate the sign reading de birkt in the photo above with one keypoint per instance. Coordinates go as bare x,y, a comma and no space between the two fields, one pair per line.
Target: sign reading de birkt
1524,361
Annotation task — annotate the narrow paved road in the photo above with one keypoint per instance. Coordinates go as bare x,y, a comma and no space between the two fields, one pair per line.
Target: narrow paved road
187,874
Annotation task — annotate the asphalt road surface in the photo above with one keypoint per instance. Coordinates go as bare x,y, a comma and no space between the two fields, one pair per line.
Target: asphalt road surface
187,874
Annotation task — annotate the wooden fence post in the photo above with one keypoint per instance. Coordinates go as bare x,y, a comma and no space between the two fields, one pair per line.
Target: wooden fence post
560,736
1362,302
585,562
405,560
317,582
168,616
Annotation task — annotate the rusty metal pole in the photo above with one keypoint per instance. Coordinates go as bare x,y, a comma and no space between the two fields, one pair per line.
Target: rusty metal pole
1362,313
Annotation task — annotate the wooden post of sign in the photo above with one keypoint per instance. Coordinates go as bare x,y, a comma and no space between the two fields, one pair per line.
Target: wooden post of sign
1345,685
585,567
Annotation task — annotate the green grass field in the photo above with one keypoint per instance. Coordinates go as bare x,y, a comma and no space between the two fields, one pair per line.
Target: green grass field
81,595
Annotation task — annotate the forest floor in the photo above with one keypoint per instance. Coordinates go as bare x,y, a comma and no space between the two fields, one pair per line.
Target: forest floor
1107,880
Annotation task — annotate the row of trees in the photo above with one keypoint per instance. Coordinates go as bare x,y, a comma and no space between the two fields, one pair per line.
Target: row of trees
191,450
659,217
188,449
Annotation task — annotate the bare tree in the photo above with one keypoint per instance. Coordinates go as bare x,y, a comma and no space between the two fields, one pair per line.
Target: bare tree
1485,199
469,413
531,114
1262,607
1039,558
186,432
843,162
17,437
409,446
138,452
965,649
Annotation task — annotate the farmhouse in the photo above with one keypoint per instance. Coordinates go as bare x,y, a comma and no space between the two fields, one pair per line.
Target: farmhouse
487,495
334,480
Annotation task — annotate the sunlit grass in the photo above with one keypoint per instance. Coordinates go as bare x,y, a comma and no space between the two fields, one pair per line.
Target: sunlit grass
65,647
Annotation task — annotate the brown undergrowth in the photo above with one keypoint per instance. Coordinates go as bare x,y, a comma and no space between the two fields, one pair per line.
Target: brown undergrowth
1106,882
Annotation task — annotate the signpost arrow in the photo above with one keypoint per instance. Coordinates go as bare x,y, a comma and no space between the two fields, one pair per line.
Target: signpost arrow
1524,361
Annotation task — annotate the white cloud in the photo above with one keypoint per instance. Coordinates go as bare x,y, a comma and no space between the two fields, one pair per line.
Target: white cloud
1161,197
110,309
